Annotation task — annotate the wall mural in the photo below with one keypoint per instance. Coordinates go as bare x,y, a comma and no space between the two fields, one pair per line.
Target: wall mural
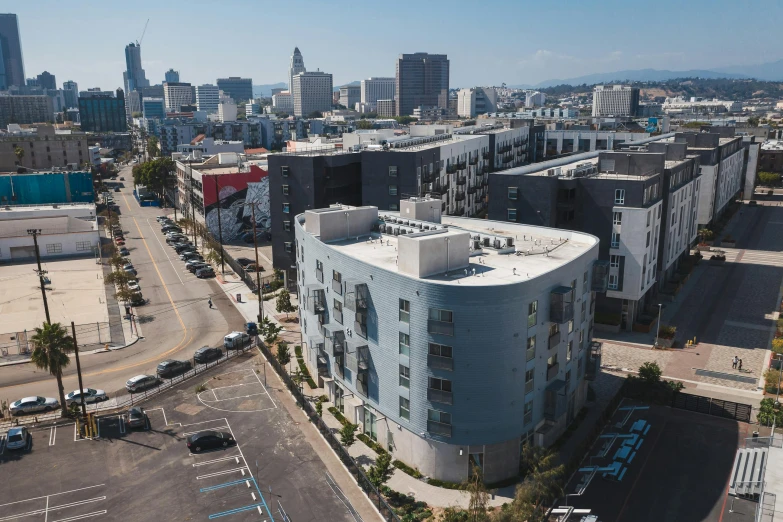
238,194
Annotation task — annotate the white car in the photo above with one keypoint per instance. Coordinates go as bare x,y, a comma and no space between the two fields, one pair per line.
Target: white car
141,382
34,405
17,438
90,396
133,286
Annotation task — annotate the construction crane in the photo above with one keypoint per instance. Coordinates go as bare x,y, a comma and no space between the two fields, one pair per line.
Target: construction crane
138,42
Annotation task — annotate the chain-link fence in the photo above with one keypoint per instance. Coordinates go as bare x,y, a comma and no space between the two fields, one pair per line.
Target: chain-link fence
88,336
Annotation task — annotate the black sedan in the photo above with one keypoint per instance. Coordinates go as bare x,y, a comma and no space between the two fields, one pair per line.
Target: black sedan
243,261
205,273
136,417
171,367
204,440
207,354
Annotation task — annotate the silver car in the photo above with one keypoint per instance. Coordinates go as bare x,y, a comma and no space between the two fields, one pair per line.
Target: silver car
17,438
90,396
34,405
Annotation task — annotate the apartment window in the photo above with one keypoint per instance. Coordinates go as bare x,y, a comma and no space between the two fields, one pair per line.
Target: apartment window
649,212
513,193
528,412
612,282
285,190
441,350
615,240
584,281
81,246
532,314
393,171
405,344
54,248
529,376
512,214
581,338
551,361
584,311
569,350
393,206
439,416
659,211
444,316
440,384
287,226
392,190
617,218
619,197
338,311
405,311
289,247
284,171
286,208
570,326
405,376
554,329
614,261
531,348
405,407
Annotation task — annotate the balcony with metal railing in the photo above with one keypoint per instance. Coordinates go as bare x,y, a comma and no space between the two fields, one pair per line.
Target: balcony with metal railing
473,160
508,159
485,155
316,302
528,387
439,428
459,196
440,396
504,149
552,371
461,180
554,340
356,295
437,362
440,327
462,166
472,189
451,168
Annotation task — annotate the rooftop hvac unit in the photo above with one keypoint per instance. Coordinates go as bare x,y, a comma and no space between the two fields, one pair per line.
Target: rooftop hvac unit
403,231
550,172
396,231
426,227
486,241
476,237
476,245
496,243
382,229
509,242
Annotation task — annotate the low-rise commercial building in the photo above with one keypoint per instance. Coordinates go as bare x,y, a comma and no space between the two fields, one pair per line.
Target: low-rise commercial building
46,188
63,231
615,100
103,112
695,105
576,141
25,109
393,306
43,148
475,101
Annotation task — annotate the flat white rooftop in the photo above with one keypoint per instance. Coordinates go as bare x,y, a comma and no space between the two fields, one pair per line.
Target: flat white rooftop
536,250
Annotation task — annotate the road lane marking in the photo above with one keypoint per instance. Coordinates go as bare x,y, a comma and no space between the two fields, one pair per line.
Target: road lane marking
167,255
79,517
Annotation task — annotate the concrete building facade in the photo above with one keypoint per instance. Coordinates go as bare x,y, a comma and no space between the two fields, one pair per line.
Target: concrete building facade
207,98
312,91
102,113
239,89
350,95
295,66
422,79
377,88
176,95
25,109
394,305
615,100
475,101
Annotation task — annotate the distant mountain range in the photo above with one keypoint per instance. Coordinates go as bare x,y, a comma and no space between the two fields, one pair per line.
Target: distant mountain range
265,90
770,71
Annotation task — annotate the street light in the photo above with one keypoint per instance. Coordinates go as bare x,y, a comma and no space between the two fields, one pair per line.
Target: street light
658,331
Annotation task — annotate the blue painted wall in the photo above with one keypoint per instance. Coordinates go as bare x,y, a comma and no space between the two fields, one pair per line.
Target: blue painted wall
50,187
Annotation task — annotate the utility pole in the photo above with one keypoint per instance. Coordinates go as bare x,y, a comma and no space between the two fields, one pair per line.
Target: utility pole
220,227
258,273
78,370
34,232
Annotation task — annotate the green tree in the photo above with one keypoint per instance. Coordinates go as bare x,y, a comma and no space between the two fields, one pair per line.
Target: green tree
119,278
137,114
381,471
283,305
19,153
319,408
283,355
269,330
753,121
539,488
153,146
479,497
364,124
777,345
117,261
156,175
124,294
650,373
51,346
348,434
769,179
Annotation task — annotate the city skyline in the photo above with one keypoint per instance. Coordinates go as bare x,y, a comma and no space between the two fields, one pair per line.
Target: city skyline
523,53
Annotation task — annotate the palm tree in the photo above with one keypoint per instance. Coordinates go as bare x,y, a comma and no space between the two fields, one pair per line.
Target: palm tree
51,346
19,153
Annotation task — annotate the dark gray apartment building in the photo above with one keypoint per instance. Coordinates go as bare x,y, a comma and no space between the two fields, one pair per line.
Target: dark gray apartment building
422,80
240,89
306,181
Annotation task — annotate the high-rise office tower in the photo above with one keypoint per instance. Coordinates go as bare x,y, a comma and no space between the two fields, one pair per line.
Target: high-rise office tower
312,92
11,63
207,98
374,89
46,80
176,95
134,77
422,80
615,100
172,76
71,94
295,67
239,89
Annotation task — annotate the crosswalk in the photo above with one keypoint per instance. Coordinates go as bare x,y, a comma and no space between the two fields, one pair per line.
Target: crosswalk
754,257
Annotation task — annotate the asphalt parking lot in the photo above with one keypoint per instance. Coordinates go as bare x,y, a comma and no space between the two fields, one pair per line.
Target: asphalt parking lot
148,473
678,469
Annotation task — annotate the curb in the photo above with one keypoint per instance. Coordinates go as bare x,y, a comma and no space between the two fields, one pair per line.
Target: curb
111,349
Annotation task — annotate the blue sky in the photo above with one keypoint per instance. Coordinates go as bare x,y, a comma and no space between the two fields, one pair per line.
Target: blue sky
488,43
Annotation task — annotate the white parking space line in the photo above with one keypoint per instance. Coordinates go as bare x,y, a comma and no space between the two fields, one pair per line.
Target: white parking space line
264,387
223,419
218,473
195,465
2,444
203,429
52,435
162,411
238,397
166,253
79,503
79,517
121,418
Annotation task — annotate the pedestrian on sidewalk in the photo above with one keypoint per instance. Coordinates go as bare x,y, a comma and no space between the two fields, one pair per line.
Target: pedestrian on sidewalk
739,365
210,304
734,362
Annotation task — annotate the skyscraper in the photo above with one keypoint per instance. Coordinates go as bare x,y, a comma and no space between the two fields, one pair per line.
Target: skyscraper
176,95
134,74
11,63
207,98
295,67
240,89
422,80
312,91
46,80
71,93
172,76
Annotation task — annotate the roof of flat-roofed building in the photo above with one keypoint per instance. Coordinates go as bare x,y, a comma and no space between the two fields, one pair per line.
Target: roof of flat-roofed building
533,250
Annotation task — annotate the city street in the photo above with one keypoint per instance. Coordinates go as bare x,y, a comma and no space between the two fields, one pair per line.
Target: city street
175,322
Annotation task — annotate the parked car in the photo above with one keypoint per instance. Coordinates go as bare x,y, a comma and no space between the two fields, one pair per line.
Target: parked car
194,265
236,341
205,273
137,299
141,382
753,203
189,256
133,286
204,440
243,261
182,247
17,438
122,178
131,271
170,228
34,405
174,240
136,417
252,268
127,266
124,251
120,242
161,218
90,396
206,354
171,367
116,189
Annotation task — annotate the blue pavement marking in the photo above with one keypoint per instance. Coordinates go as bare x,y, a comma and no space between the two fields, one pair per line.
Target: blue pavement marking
224,485
240,509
